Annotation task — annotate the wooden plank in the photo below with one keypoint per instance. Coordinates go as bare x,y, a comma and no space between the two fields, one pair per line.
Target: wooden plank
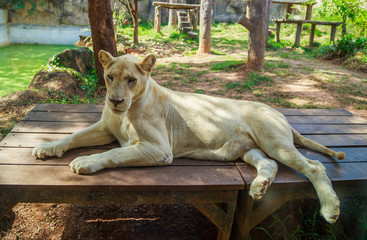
176,5
50,127
354,154
338,172
94,117
326,120
291,1
23,156
80,108
314,112
340,140
30,140
296,21
172,178
62,117
330,129
84,108
323,22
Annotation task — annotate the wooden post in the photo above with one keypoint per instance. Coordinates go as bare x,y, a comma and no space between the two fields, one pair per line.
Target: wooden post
289,10
298,34
157,19
312,35
277,32
243,215
172,16
205,26
308,12
333,32
268,22
195,19
257,27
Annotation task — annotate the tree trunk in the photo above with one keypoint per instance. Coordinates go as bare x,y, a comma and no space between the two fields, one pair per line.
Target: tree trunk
103,36
205,26
257,26
172,16
136,22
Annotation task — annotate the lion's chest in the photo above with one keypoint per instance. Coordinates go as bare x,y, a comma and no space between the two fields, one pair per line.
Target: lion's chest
123,131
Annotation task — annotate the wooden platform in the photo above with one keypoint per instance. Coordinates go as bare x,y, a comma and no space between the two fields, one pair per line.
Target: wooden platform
212,187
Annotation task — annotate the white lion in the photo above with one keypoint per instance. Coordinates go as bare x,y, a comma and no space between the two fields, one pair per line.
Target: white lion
154,124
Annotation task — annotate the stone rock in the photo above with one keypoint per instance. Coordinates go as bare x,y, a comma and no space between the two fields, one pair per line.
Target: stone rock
56,81
80,60
53,12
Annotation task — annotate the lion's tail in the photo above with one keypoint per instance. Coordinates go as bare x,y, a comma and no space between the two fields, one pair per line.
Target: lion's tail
301,140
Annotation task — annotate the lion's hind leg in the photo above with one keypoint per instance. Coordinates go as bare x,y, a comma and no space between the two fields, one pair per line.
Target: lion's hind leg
315,172
266,171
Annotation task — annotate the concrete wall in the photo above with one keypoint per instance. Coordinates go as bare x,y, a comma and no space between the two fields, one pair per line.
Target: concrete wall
57,22
4,35
41,34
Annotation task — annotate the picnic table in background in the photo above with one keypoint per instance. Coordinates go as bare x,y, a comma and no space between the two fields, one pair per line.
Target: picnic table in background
300,22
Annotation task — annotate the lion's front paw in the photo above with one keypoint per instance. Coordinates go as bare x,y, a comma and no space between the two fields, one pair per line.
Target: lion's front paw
86,164
50,149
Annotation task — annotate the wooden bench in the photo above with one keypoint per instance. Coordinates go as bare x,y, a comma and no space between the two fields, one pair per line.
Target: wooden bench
212,187
299,29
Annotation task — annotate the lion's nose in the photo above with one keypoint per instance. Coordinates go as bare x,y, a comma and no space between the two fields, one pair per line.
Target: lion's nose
116,102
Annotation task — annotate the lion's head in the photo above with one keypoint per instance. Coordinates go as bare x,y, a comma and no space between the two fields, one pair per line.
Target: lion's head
126,79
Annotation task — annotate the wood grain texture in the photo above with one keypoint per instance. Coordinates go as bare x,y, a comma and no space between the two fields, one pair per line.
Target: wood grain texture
23,156
96,108
172,178
62,117
50,127
338,172
30,140
15,139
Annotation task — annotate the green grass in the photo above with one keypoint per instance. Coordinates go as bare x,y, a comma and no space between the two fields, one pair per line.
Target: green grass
226,65
19,63
249,83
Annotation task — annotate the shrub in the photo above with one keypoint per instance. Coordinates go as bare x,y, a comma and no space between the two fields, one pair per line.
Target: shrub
343,49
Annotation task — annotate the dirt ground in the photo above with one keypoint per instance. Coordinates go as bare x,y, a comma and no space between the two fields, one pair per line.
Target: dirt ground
298,82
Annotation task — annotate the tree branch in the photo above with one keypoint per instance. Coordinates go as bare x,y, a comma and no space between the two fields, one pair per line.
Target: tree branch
244,21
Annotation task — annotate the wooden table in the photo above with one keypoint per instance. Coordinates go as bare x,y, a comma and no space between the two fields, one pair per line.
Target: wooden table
290,4
212,187
299,29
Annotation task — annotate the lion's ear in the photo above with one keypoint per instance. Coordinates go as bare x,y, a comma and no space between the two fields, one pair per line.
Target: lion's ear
104,57
148,63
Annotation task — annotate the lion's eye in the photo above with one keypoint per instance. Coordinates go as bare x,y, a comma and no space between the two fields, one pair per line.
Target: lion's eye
110,77
132,80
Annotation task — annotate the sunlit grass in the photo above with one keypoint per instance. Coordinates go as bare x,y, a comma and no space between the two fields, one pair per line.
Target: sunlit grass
19,63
